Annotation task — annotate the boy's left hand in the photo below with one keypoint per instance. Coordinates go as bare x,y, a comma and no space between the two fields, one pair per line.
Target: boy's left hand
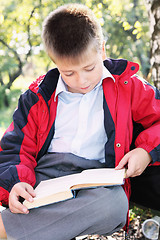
20,189
136,160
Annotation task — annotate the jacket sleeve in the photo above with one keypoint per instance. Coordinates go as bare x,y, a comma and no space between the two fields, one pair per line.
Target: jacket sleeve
18,146
146,111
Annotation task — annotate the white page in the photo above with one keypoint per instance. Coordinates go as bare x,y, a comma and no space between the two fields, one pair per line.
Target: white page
102,175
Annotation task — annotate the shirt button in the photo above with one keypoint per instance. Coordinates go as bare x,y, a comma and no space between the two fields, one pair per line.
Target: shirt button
118,145
125,82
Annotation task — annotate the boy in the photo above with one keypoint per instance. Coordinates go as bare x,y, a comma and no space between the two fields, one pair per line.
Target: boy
78,116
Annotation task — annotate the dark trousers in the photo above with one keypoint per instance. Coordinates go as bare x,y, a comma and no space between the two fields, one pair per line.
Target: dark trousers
146,188
95,211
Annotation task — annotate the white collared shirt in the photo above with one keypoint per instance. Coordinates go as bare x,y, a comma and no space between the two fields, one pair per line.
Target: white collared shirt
79,123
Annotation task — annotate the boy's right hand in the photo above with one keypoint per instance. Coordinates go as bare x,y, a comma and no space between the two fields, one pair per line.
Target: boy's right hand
23,190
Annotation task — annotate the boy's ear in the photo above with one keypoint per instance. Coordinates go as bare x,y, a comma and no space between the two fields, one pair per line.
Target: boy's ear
104,51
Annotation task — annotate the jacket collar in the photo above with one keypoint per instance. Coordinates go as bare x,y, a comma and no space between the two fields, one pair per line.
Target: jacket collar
121,67
61,86
117,67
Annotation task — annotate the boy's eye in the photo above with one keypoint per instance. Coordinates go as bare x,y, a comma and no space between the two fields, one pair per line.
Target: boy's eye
90,69
69,74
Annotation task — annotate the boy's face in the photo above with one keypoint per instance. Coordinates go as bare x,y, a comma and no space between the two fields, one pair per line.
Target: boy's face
82,76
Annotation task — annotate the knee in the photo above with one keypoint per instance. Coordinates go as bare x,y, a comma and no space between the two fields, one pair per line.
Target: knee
113,208
117,207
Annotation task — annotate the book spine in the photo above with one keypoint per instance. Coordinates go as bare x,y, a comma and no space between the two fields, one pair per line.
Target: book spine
75,192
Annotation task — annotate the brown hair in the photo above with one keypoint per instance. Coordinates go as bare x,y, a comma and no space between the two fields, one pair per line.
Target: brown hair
68,31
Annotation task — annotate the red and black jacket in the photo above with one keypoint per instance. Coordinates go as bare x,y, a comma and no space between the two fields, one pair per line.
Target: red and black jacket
131,118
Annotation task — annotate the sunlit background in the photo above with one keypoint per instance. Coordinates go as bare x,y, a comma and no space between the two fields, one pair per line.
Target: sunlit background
126,30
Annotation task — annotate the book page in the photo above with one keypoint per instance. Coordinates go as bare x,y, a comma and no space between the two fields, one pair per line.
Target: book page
51,191
55,185
59,189
102,176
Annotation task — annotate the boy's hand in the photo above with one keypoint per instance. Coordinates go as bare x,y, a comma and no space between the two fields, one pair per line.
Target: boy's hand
136,160
23,190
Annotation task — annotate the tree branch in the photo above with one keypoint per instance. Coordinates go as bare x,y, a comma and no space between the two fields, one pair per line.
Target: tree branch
29,31
13,76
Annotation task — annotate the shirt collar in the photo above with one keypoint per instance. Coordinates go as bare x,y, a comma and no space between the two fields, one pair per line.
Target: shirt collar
107,74
61,86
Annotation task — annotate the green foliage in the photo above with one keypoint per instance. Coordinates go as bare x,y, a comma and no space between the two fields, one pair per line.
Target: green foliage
6,113
137,211
126,25
10,96
124,22
3,97
143,213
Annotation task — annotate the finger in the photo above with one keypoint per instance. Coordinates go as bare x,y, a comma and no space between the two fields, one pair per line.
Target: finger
15,206
26,193
18,208
129,173
122,163
30,190
132,170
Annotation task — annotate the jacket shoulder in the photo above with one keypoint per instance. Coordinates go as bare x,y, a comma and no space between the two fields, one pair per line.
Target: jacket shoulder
46,83
121,67
35,84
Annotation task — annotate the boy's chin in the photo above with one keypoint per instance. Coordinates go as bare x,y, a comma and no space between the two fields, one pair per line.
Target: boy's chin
81,90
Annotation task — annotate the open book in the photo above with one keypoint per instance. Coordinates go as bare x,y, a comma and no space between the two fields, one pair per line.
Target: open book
63,188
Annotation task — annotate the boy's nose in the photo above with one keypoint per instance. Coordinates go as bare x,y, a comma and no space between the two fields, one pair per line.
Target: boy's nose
81,79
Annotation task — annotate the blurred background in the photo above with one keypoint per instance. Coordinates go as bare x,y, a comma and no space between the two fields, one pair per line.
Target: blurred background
131,30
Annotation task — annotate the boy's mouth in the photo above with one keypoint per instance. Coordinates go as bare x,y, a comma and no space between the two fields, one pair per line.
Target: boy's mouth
85,88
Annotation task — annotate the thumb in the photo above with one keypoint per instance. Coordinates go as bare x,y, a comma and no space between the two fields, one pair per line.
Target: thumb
122,163
30,190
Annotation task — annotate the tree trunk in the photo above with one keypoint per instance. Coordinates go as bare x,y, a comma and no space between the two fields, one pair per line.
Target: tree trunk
154,19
